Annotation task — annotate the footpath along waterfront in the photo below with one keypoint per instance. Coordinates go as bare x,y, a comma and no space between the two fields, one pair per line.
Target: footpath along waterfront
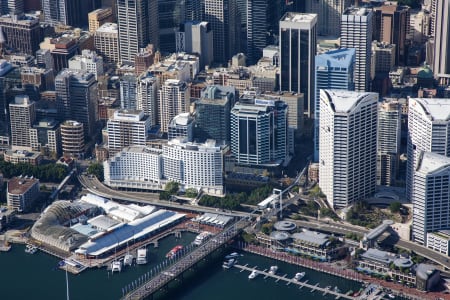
25,275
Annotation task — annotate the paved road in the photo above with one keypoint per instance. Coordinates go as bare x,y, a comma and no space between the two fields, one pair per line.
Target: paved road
94,186
328,226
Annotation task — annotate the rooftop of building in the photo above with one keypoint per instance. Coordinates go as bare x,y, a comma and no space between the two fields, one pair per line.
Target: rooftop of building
81,75
436,108
182,119
46,123
22,153
71,123
343,57
313,238
298,17
344,101
140,149
379,256
129,115
182,142
21,184
20,19
430,162
357,11
108,28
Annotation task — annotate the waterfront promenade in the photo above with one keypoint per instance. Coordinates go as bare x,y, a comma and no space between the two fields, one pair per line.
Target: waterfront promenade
333,269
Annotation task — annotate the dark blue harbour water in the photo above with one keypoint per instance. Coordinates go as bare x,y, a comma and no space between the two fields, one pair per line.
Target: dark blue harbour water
25,276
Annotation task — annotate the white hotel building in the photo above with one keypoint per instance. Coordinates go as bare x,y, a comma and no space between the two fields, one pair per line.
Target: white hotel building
125,128
192,165
347,146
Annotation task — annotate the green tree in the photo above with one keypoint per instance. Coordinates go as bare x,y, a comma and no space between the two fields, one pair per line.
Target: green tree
191,193
172,187
395,207
266,228
96,169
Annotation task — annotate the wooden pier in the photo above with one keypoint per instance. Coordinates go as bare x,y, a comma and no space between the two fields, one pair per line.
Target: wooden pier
301,284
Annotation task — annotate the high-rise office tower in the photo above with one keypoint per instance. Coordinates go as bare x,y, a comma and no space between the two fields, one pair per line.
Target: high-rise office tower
6,72
147,88
430,195
23,34
356,32
193,10
297,53
173,100
106,41
138,27
334,70
99,17
125,128
329,14
259,132
12,7
256,29
172,14
441,65
68,12
76,98
392,25
348,146
128,84
212,113
428,130
224,19
45,136
22,114
388,142
196,37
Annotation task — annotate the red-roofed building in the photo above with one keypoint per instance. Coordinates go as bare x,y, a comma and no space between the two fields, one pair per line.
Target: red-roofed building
22,191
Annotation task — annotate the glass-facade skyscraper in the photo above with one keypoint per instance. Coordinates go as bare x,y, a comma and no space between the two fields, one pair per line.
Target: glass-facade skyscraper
297,53
334,70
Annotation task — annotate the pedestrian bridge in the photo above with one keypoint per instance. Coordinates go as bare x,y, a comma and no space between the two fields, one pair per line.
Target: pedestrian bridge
148,284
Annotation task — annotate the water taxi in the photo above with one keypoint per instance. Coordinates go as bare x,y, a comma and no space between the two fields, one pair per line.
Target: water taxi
174,252
141,256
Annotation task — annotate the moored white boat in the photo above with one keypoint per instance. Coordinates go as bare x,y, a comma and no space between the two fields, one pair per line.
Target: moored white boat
116,266
141,256
232,255
298,276
128,259
228,263
273,270
30,249
202,237
253,274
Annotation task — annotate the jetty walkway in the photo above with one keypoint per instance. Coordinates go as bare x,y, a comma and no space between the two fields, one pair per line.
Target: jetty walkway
150,283
316,287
